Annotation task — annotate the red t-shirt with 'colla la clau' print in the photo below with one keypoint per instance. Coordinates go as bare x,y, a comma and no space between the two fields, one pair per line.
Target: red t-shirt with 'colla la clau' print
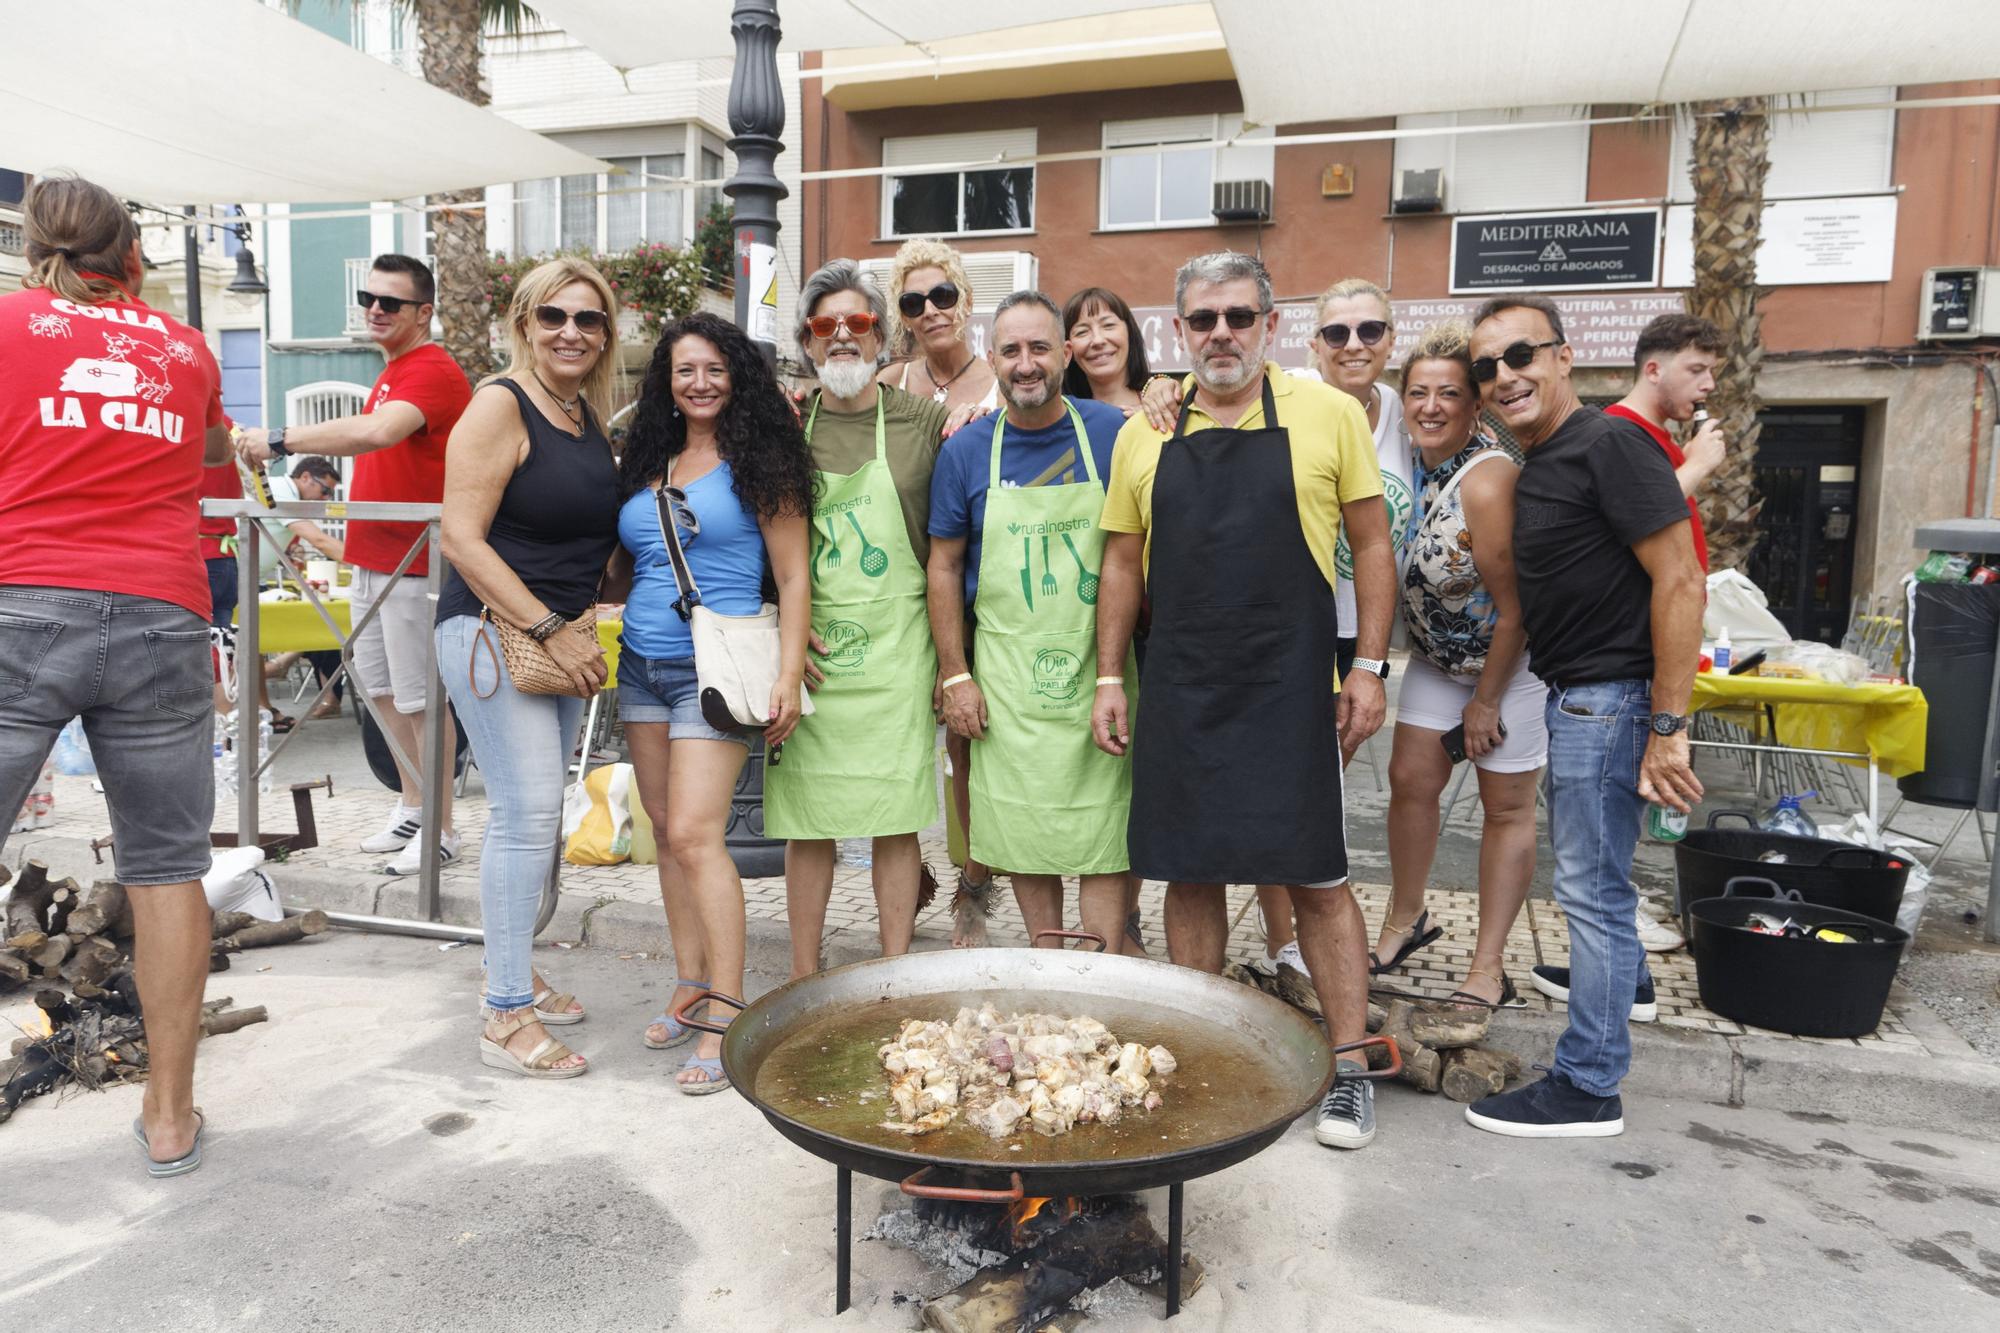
103,414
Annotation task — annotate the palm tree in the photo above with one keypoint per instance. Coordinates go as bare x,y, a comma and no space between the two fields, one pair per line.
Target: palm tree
449,31
1731,157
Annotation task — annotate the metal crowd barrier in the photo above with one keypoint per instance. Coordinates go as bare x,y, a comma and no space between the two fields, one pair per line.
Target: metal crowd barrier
435,766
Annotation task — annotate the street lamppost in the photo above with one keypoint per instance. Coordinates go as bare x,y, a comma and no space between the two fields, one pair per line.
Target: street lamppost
757,120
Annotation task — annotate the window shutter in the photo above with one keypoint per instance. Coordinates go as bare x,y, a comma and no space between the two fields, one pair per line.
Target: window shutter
1844,152
1525,169
1159,129
926,149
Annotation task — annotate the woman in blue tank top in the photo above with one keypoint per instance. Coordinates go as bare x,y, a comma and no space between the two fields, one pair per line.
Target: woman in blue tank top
715,443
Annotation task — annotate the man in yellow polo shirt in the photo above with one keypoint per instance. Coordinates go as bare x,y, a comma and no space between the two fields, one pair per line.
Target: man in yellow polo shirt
1229,524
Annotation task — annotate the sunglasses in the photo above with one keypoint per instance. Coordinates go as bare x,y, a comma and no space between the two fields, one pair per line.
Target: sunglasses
1238,318
1369,331
944,296
1517,357
685,518
391,305
859,324
553,317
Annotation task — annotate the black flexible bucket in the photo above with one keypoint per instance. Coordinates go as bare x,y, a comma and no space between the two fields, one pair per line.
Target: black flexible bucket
1807,987
1821,871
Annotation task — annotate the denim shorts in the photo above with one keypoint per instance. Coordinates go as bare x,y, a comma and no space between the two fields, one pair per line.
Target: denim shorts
138,672
664,689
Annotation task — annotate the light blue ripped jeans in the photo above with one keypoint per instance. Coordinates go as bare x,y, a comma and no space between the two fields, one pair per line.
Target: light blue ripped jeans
522,743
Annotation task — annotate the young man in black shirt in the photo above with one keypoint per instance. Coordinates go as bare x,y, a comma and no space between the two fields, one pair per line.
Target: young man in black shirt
1612,595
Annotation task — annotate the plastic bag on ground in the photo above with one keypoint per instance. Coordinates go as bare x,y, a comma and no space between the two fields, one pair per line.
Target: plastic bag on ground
237,882
73,752
1737,605
597,817
1860,830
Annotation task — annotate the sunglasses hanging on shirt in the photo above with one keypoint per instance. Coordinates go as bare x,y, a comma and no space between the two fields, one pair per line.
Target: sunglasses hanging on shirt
1237,317
553,317
1517,357
943,296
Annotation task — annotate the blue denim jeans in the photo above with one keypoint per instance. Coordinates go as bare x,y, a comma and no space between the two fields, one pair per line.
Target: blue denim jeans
522,743
1597,736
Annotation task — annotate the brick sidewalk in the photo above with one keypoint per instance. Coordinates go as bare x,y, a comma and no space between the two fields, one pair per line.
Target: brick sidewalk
1539,936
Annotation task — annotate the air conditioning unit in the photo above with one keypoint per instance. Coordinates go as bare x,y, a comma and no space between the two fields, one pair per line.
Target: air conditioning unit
1957,304
994,275
1242,201
1419,191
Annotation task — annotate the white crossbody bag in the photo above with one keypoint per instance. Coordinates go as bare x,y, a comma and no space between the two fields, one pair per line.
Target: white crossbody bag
736,658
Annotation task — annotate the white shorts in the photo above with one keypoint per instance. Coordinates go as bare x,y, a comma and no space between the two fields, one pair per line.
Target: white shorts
1436,702
393,655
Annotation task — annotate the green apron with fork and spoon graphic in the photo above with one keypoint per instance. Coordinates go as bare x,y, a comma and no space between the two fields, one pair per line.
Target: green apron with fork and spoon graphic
864,764
1045,799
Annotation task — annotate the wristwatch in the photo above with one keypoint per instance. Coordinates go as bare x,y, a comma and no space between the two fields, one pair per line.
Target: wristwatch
276,442
1373,665
1666,724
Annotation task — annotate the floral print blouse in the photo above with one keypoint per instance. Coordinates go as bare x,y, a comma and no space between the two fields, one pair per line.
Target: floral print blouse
1446,607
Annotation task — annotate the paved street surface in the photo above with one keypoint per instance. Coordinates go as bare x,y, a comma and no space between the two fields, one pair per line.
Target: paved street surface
364,1171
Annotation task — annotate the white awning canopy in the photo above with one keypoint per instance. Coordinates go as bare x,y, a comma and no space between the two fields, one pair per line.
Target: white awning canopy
631,33
228,101
1312,60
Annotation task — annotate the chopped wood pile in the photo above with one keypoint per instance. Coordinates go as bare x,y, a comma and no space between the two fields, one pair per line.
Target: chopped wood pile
1442,1045
76,945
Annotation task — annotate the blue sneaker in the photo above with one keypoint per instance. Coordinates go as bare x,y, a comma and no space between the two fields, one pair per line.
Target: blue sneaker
1554,1108
1554,983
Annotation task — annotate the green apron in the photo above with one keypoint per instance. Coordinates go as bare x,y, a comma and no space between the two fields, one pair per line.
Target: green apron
1045,799
863,765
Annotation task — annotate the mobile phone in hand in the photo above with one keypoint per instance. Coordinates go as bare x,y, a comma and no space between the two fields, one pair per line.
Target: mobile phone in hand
1454,742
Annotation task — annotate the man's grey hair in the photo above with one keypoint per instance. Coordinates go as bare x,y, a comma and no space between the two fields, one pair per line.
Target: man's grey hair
1029,296
1223,266
841,275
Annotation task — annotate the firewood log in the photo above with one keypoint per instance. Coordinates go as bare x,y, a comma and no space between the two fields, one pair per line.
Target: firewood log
1476,1072
26,940
28,904
267,933
14,969
93,959
1422,1069
105,911
1446,1027
64,898
228,923
48,959
1029,1288
214,1025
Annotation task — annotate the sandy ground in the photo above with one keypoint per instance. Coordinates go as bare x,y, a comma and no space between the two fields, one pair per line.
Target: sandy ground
364,1171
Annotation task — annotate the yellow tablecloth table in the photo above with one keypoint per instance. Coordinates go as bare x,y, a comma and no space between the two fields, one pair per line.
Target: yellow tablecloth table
295,627
1871,718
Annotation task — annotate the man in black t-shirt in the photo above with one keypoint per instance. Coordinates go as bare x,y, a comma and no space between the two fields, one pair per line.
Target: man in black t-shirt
1611,595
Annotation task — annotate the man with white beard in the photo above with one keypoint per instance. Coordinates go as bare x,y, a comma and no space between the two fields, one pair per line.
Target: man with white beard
863,765
1016,542
1230,525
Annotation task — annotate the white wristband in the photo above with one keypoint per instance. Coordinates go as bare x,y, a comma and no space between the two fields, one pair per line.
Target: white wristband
959,679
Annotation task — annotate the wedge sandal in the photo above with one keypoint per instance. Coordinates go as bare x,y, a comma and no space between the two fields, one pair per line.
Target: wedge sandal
553,1007
540,1062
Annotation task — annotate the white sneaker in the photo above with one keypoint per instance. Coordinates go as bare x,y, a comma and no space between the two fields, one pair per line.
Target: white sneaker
404,821
1657,911
410,860
1290,954
1658,936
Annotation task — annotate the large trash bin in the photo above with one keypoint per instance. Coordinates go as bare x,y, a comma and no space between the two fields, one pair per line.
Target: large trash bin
1953,629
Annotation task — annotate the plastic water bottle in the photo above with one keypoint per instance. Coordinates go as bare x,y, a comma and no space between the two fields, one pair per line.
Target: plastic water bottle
1724,654
1665,824
225,762
263,748
857,852
73,752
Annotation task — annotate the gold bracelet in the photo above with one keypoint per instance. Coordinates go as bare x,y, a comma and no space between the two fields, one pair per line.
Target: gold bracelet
1111,680
959,679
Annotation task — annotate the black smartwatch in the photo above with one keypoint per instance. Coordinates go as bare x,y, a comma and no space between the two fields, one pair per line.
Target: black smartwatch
1666,724
276,442
1373,665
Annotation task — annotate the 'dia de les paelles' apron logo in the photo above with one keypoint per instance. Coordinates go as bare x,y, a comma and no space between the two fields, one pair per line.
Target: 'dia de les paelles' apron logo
846,643
1399,500
1057,673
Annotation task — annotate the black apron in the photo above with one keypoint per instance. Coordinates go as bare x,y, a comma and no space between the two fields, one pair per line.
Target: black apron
1235,760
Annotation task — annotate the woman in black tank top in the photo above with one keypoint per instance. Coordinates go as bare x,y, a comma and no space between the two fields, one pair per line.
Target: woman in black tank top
530,522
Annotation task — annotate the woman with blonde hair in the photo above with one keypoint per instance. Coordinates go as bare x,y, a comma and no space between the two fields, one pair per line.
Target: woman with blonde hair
930,307
530,523
1468,668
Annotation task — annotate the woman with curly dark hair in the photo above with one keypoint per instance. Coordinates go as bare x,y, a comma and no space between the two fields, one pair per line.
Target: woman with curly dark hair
714,438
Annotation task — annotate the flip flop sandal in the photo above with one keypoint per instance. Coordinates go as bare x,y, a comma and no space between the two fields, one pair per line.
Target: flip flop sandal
1509,997
711,1065
282,724
179,1166
676,1033
553,1006
540,1063
1422,934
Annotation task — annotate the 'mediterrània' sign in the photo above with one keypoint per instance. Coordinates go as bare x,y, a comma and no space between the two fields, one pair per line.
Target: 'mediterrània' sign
1553,252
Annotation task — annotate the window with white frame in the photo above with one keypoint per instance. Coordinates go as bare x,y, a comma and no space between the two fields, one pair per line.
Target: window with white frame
1815,149
1500,171
958,200
1174,187
613,213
